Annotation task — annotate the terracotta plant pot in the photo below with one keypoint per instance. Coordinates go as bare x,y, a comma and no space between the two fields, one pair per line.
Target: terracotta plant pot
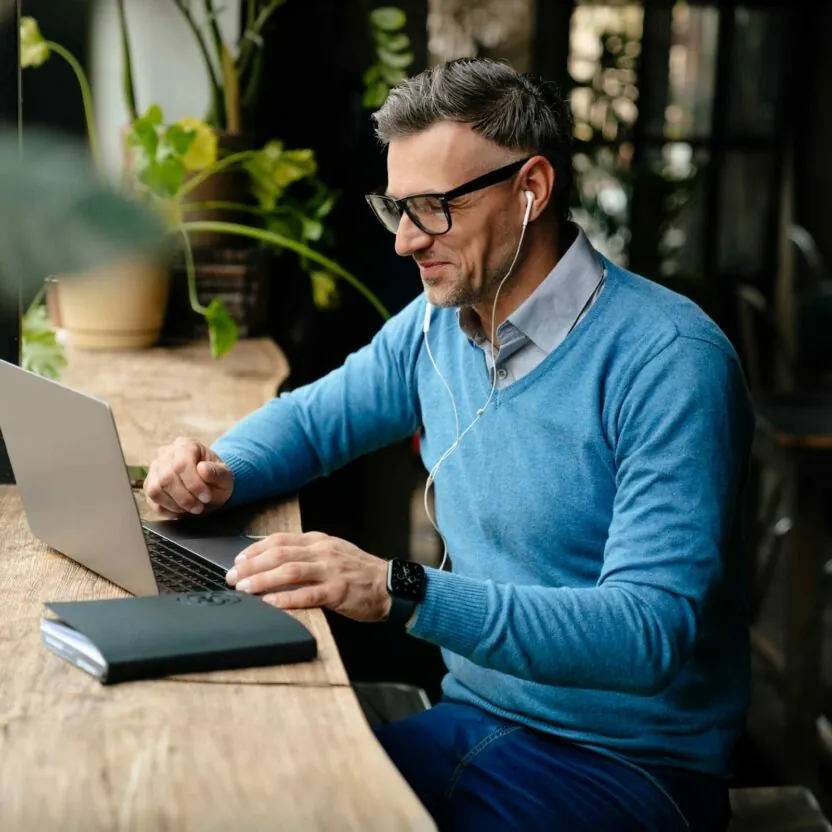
121,307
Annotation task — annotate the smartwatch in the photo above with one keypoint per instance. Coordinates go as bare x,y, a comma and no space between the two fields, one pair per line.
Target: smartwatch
406,584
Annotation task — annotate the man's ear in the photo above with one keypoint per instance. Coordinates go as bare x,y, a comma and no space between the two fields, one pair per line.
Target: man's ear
538,176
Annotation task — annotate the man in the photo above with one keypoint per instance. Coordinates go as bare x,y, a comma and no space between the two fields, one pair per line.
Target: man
592,622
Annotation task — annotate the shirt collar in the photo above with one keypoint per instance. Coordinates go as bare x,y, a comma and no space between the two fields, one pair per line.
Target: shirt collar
549,312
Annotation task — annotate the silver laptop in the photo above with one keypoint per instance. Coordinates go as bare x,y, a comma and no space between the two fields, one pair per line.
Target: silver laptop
73,481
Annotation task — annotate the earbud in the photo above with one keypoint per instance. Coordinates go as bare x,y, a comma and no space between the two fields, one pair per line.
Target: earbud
426,323
529,203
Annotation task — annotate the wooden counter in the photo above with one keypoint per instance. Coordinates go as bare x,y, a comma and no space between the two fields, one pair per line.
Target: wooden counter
284,748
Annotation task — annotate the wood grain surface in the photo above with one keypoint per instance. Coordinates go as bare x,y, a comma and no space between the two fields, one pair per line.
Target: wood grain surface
282,747
155,756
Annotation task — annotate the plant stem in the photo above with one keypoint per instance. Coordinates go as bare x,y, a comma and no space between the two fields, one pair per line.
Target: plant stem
36,301
250,43
205,173
127,78
191,272
86,97
213,26
218,205
216,90
285,242
253,84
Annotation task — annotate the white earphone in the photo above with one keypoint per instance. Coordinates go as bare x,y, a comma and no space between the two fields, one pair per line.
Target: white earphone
529,202
425,328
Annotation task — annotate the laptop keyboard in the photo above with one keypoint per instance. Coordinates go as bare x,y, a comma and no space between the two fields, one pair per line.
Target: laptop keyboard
176,569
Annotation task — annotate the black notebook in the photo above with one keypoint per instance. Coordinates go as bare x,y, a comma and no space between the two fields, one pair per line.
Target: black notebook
124,639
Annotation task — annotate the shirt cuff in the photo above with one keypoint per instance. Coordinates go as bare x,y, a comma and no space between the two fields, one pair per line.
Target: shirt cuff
452,613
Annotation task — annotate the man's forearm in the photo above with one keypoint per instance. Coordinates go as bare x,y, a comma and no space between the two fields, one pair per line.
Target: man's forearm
367,403
612,637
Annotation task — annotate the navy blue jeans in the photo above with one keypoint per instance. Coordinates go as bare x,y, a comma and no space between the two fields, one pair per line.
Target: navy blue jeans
474,771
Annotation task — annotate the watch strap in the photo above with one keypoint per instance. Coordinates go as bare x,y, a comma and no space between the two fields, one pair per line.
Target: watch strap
400,611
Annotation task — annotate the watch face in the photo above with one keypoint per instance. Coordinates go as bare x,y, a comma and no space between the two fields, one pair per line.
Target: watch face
407,580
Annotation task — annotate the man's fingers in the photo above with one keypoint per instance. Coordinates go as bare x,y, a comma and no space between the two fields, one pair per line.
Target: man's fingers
171,485
163,512
216,474
156,495
305,598
286,575
277,541
270,559
188,470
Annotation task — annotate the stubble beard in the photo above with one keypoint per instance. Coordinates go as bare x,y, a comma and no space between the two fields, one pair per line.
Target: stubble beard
460,294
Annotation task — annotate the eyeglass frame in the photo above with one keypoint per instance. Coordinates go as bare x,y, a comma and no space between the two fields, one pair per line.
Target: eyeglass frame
494,177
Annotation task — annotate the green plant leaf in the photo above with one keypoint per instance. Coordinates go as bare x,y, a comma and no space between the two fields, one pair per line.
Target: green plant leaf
376,95
286,227
171,173
274,169
400,60
325,208
312,229
392,76
33,48
144,137
179,139
325,291
222,329
371,75
381,37
41,353
388,18
396,43
154,115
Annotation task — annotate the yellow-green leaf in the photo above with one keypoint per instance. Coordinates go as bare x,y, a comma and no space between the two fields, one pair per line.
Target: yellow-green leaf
33,48
398,60
222,329
273,169
41,352
203,150
325,293
388,18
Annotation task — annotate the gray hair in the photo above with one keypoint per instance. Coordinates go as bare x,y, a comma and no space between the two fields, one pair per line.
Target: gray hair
514,110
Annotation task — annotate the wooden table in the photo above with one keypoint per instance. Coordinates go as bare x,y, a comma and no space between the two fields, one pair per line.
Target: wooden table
794,437
281,748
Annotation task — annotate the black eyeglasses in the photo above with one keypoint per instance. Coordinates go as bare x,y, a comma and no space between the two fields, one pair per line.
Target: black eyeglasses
431,212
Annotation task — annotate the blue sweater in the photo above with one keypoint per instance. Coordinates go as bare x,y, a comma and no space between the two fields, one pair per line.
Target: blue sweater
592,516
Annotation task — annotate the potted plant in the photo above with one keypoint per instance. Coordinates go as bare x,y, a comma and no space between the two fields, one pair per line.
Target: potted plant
168,162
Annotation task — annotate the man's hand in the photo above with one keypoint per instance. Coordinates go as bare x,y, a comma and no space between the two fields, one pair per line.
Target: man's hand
334,574
187,478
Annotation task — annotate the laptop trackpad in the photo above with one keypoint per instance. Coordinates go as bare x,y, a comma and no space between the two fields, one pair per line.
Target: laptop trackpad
219,550
215,544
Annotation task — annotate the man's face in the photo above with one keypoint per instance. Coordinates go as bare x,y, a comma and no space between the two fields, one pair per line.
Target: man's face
461,267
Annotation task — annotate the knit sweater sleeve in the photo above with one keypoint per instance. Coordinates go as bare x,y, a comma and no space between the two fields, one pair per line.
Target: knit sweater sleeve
684,432
365,404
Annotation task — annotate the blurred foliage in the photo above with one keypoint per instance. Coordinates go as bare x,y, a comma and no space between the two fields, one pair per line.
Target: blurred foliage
41,352
165,162
631,201
393,55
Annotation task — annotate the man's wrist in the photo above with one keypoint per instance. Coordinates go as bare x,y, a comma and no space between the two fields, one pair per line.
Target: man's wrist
406,588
